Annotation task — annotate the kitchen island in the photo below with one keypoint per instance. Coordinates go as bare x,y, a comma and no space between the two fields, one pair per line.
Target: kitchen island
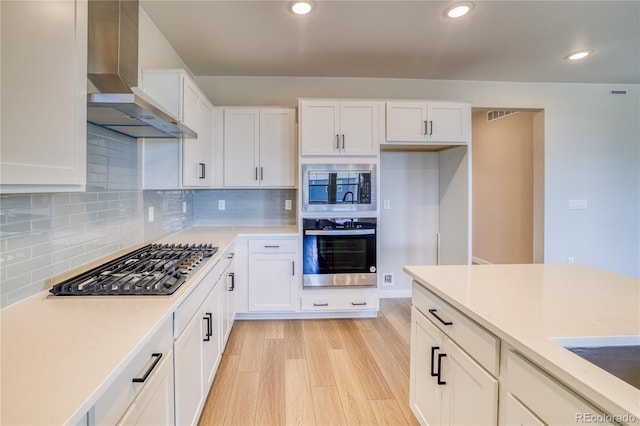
59,355
520,312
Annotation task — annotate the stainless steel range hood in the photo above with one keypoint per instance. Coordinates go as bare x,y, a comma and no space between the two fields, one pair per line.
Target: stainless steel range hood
113,69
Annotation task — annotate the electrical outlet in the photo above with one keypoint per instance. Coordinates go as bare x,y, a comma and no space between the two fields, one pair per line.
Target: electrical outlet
221,205
571,260
386,204
577,204
184,207
151,214
287,204
387,279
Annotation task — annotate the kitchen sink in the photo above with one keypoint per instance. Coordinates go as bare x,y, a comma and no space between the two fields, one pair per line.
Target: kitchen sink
619,355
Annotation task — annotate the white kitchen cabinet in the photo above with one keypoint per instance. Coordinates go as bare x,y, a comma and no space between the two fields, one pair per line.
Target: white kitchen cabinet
259,147
227,301
350,300
428,122
339,127
178,163
43,75
154,405
543,398
144,388
454,365
211,342
272,275
196,153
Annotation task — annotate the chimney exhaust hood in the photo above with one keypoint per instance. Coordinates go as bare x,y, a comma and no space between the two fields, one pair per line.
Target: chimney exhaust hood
113,69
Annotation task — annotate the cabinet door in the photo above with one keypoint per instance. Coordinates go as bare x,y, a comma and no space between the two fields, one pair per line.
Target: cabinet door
406,121
44,76
154,405
241,151
425,395
358,128
190,104
518,414
319,127
189,374
211,337
277,147
196,153
471,393
271,284
449,122
227,302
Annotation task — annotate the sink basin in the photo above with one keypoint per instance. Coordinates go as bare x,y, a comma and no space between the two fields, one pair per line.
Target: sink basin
619,355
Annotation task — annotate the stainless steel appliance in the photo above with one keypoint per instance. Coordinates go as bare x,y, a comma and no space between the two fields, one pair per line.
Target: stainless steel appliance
339,252
339,187
152,270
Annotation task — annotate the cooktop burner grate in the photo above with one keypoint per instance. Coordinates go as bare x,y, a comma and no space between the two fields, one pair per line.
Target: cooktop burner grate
155,269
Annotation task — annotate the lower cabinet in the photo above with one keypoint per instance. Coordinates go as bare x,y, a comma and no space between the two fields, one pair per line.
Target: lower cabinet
143,391
272,275
447,385
154,404
228,303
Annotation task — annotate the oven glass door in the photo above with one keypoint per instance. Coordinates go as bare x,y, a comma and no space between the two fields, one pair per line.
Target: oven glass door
341,257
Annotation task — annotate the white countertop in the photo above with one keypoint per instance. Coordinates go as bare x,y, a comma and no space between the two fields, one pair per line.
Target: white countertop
528,305
59,354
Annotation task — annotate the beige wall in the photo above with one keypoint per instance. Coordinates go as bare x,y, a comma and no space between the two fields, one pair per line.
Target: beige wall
503,188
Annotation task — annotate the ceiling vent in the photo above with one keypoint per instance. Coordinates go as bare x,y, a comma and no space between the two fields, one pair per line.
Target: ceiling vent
494,115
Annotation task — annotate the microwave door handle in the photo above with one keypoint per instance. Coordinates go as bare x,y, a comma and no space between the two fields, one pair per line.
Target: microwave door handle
341,232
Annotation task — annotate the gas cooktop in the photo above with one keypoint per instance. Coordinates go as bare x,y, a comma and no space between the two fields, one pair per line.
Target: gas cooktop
155,269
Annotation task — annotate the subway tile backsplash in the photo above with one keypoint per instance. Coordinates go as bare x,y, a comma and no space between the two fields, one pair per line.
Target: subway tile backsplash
45,235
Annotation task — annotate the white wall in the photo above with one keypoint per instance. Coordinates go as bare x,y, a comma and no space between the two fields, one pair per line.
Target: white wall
592,149
407,230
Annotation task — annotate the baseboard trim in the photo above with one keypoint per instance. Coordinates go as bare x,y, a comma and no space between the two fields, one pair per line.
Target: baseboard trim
478,261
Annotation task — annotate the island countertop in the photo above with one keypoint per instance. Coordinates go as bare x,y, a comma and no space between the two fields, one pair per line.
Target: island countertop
527,306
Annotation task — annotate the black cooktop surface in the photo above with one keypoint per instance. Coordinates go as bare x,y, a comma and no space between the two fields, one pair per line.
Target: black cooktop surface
155,269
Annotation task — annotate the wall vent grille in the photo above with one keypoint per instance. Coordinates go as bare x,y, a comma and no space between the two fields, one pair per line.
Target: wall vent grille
497,114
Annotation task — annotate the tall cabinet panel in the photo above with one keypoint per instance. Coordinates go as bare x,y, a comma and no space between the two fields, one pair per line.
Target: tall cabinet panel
241,151
44,73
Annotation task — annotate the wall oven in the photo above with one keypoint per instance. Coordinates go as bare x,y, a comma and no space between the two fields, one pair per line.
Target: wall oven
339,252
339,187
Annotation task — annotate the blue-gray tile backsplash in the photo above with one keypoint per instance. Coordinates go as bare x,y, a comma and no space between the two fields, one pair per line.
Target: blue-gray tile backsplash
45,235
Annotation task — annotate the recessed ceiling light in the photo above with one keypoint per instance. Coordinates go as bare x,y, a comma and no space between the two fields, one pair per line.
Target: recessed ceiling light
301,7
579,54
458,9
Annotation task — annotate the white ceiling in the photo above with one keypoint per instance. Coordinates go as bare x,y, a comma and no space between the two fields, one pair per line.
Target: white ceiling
498,40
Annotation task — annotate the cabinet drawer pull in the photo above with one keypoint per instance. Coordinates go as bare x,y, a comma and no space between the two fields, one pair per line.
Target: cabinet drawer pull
261,173
343,141
358,304
256,173
157,357
433,312
440,381
320,304
276,246
232,275
430,127
337,141
293,268
203,171
426,128
433,356
209,317
230,256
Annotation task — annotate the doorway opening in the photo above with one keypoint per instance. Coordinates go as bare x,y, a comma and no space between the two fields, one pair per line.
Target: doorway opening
508,185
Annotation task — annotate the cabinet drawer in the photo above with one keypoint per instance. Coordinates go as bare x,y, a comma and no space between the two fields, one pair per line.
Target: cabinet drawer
483,346
115,401
339,303
550,401
273,246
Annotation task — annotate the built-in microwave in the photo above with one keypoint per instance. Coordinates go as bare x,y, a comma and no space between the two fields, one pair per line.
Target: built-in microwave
339,187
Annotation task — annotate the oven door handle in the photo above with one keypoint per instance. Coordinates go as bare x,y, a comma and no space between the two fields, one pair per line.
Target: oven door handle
342,232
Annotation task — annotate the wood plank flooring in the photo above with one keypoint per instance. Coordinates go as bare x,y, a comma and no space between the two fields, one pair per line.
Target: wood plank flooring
316,372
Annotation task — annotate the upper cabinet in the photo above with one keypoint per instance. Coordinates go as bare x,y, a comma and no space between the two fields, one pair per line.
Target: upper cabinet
259,147
167,164
44,96
339,127
426,121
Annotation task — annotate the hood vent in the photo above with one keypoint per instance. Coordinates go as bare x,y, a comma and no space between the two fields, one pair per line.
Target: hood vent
113,70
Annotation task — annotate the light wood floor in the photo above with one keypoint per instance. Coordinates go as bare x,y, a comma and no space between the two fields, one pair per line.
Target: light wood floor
316,372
